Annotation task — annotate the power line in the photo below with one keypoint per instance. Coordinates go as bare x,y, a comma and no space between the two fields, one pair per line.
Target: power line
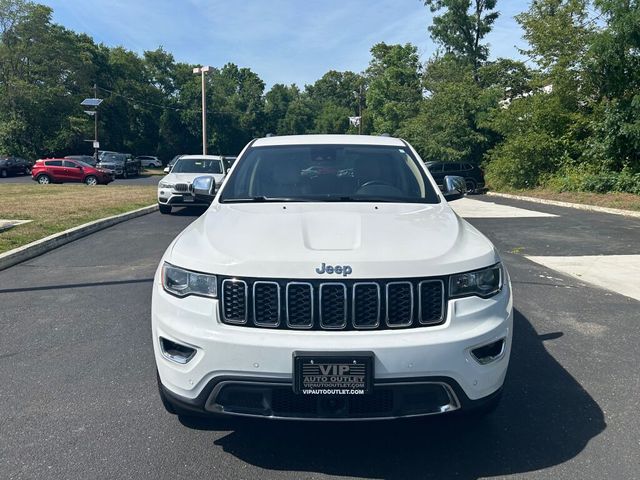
164,107
150,104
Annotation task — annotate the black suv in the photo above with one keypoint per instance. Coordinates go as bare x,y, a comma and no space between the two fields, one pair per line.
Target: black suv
121,163
14,166
472,174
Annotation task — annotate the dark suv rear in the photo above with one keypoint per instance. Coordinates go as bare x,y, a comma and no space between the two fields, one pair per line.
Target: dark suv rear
472,174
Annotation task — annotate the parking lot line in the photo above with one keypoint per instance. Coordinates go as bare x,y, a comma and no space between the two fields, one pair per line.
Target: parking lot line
618,273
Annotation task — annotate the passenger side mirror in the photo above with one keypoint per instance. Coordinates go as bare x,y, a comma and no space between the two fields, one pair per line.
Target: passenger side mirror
167,169
454,188
204,188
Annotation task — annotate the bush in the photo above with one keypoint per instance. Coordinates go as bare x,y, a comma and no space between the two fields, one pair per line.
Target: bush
586,180
522,161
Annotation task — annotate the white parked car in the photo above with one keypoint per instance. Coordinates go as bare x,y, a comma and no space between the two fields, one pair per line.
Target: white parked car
174,190
148,161
328,296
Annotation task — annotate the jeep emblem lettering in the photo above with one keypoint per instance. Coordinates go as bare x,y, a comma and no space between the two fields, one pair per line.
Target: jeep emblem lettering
343,270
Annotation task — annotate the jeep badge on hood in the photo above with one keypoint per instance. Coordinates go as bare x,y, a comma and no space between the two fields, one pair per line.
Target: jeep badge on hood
343,270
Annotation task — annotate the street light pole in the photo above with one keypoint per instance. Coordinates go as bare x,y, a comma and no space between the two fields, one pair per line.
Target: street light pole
95,125
360,111
93,103
202,71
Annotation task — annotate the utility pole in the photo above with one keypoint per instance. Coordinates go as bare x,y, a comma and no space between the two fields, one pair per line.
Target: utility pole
95,125
202,71
360,111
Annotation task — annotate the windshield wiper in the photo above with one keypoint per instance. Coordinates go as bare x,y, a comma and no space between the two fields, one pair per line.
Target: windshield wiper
262,199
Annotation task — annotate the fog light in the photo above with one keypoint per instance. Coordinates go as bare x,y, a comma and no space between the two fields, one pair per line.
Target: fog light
489,353
175,352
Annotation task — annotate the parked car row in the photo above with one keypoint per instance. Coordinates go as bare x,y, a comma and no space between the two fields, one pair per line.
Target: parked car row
14,166
61,170
80,168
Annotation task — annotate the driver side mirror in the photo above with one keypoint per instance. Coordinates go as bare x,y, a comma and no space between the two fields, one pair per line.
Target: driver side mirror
204,188
167,169
454,188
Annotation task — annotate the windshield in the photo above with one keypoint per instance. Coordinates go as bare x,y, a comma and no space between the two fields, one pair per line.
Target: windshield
329,173
197,165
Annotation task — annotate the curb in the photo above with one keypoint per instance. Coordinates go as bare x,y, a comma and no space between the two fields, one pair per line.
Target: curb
33,249
579,206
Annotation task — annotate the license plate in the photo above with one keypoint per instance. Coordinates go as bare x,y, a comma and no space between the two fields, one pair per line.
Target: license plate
187,199
331,373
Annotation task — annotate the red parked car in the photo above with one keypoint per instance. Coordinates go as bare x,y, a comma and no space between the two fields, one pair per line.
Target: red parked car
61,170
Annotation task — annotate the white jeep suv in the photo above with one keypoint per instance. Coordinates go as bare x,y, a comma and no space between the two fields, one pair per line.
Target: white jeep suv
330,279
174,190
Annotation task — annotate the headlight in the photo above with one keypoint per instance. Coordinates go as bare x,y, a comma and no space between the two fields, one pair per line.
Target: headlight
483,283
165,184
180,282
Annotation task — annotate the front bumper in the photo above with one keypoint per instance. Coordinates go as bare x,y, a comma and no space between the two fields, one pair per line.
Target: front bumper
438,355
167,196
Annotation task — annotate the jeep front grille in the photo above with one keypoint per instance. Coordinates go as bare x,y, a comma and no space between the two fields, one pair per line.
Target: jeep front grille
181,187
333,305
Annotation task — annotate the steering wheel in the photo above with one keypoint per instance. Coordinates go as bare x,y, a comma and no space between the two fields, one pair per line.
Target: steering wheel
376,182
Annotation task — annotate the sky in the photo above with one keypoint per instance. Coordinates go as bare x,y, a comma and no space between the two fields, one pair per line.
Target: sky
283,41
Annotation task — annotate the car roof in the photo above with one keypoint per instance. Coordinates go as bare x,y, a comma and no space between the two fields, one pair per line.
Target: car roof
200,157
329,140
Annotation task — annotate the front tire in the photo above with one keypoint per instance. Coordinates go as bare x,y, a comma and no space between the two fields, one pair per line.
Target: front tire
3,174
164,209
44,179
471,184
91,181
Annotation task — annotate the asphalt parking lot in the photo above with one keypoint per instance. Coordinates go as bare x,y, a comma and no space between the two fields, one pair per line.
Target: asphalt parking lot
144,179
79,400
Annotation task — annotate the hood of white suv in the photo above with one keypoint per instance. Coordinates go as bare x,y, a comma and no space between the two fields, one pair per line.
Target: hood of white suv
188,177
292,240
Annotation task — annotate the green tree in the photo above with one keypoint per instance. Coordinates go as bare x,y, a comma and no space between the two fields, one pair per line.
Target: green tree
449,126
462,26
548,125
44,71
613,71
394,91
277,101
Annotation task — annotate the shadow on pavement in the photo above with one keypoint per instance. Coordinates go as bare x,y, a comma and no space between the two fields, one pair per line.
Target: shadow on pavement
545,418
188,211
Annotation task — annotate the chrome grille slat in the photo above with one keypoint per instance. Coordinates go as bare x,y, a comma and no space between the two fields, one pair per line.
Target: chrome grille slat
234,301
299,305
333,305
365,314
430,302
181,187
399,301
266,304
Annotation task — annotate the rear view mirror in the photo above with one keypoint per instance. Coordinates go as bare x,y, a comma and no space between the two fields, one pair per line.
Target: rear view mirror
167,169
454,187
204,188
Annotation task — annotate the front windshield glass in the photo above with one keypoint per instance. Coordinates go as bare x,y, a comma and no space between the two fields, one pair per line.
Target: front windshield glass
197,165
329,173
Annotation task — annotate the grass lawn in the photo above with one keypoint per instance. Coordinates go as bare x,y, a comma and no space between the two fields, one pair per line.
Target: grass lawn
153,171
624,201
54,208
